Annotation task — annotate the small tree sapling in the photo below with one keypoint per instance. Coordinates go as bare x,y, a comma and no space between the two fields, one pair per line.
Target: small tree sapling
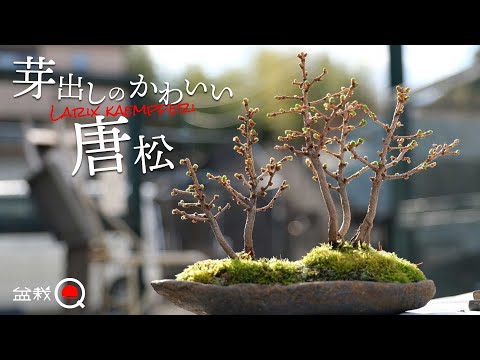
196,190
257,186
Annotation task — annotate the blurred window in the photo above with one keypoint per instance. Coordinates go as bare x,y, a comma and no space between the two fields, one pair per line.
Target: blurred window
17,213
9,54
10,132
80,62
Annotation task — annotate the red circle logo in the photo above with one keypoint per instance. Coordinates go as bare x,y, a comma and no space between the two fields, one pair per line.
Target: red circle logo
69,292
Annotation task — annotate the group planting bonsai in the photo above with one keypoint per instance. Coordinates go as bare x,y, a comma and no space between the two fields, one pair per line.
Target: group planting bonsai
327,130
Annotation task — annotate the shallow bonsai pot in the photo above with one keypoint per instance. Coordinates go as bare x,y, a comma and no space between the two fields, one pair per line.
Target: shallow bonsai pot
309,298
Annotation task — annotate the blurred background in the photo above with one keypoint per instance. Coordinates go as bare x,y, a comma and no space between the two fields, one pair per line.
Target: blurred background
115,232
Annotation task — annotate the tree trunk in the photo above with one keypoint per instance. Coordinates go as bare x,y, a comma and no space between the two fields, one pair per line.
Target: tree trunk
219,236
362,234
347,217
248,231
327,196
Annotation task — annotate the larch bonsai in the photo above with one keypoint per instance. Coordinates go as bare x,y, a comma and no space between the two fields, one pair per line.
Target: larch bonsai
327,132
196,190
257,186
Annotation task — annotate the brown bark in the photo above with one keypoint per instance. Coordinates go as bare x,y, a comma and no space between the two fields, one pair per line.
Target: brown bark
347,216
365,227
314,155
250,179
310,150
205,206
327,197
252,176
217,232
364,231
212,220
342,183
362,234
248,231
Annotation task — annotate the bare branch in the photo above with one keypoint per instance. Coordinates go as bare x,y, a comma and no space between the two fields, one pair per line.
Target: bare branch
356,156
374,117
319,78
196,190
182,192
403,151
419,135
222,210
335,188
194,217
237,196
189,205
283,112
211,204
242,178
435,152
271,169
356,174
294,151
337,155
284,97
329,173
279,192
344,92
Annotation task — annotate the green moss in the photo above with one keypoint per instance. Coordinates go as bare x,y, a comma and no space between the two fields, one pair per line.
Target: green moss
321,264
243,270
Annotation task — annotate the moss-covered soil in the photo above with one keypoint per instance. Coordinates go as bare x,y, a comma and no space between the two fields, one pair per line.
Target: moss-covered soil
322,263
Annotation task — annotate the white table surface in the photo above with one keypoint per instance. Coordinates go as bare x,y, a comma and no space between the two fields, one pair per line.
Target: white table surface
452,305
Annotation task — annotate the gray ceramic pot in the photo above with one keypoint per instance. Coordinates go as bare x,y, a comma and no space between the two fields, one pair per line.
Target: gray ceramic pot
322,297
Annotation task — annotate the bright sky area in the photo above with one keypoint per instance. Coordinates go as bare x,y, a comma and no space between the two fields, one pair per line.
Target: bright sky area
423,64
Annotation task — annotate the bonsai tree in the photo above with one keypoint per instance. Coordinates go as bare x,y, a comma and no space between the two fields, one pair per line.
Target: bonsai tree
325,135
328,131
256,185
196,190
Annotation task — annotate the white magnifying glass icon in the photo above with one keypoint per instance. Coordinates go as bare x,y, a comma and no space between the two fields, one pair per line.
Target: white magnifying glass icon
79,302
